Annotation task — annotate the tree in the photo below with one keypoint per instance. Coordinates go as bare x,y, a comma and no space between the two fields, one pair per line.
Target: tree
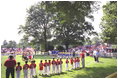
96,40
88,41
71,26
4,45
23,42
10,44
38,24
109,23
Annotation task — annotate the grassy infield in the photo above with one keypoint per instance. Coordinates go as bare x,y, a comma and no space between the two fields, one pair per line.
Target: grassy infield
102,69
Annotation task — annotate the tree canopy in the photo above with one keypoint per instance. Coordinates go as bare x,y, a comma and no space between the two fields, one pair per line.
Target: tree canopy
71,27
61,21
109,22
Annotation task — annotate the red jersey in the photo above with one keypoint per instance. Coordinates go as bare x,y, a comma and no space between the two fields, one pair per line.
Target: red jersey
57,62
67,61
78,60
32,66
71,61
18,68
45,64
26,66
82,55
49,63
40,66
53,62
75,60
10,63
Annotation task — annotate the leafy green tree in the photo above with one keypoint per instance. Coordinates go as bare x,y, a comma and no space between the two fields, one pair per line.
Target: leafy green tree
96,40
109,22
71,26
38,24
4,45
10,44
24,42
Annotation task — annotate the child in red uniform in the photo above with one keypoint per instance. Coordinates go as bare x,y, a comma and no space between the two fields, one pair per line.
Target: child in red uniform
25,69
67,64
18,69
48,67
32,69
45,68
41,68
75,63
71,62
78,60
57,66
53,65
61,62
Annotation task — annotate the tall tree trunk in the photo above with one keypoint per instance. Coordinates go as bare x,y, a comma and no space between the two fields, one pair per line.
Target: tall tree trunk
67,45
45,39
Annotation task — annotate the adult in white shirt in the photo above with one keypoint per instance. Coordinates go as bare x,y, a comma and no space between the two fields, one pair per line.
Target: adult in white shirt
94,55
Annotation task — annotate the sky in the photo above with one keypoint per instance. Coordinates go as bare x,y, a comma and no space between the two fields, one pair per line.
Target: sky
13,13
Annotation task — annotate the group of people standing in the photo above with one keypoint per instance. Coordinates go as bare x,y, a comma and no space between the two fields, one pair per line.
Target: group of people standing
44,67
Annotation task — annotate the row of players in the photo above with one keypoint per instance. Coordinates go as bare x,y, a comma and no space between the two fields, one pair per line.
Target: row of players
45,68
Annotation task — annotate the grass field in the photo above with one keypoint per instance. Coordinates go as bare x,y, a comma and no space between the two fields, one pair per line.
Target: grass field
105,67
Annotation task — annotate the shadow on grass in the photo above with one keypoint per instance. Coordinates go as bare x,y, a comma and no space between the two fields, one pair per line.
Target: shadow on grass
97,72
78,68
46,76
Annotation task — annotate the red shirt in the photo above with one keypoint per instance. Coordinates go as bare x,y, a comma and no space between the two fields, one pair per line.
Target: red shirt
32,66
26,66
18,68
49,63
75,60
40,66
57,62
53,62
45,64
67,61
10,63
78,60
82,55
71,61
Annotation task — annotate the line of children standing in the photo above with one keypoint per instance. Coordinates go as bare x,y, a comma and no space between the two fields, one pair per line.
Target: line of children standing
75,63
45,68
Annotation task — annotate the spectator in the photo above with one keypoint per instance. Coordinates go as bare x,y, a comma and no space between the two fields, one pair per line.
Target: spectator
94,55
10,65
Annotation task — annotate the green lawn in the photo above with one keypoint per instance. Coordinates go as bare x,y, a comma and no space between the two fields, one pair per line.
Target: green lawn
105,67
